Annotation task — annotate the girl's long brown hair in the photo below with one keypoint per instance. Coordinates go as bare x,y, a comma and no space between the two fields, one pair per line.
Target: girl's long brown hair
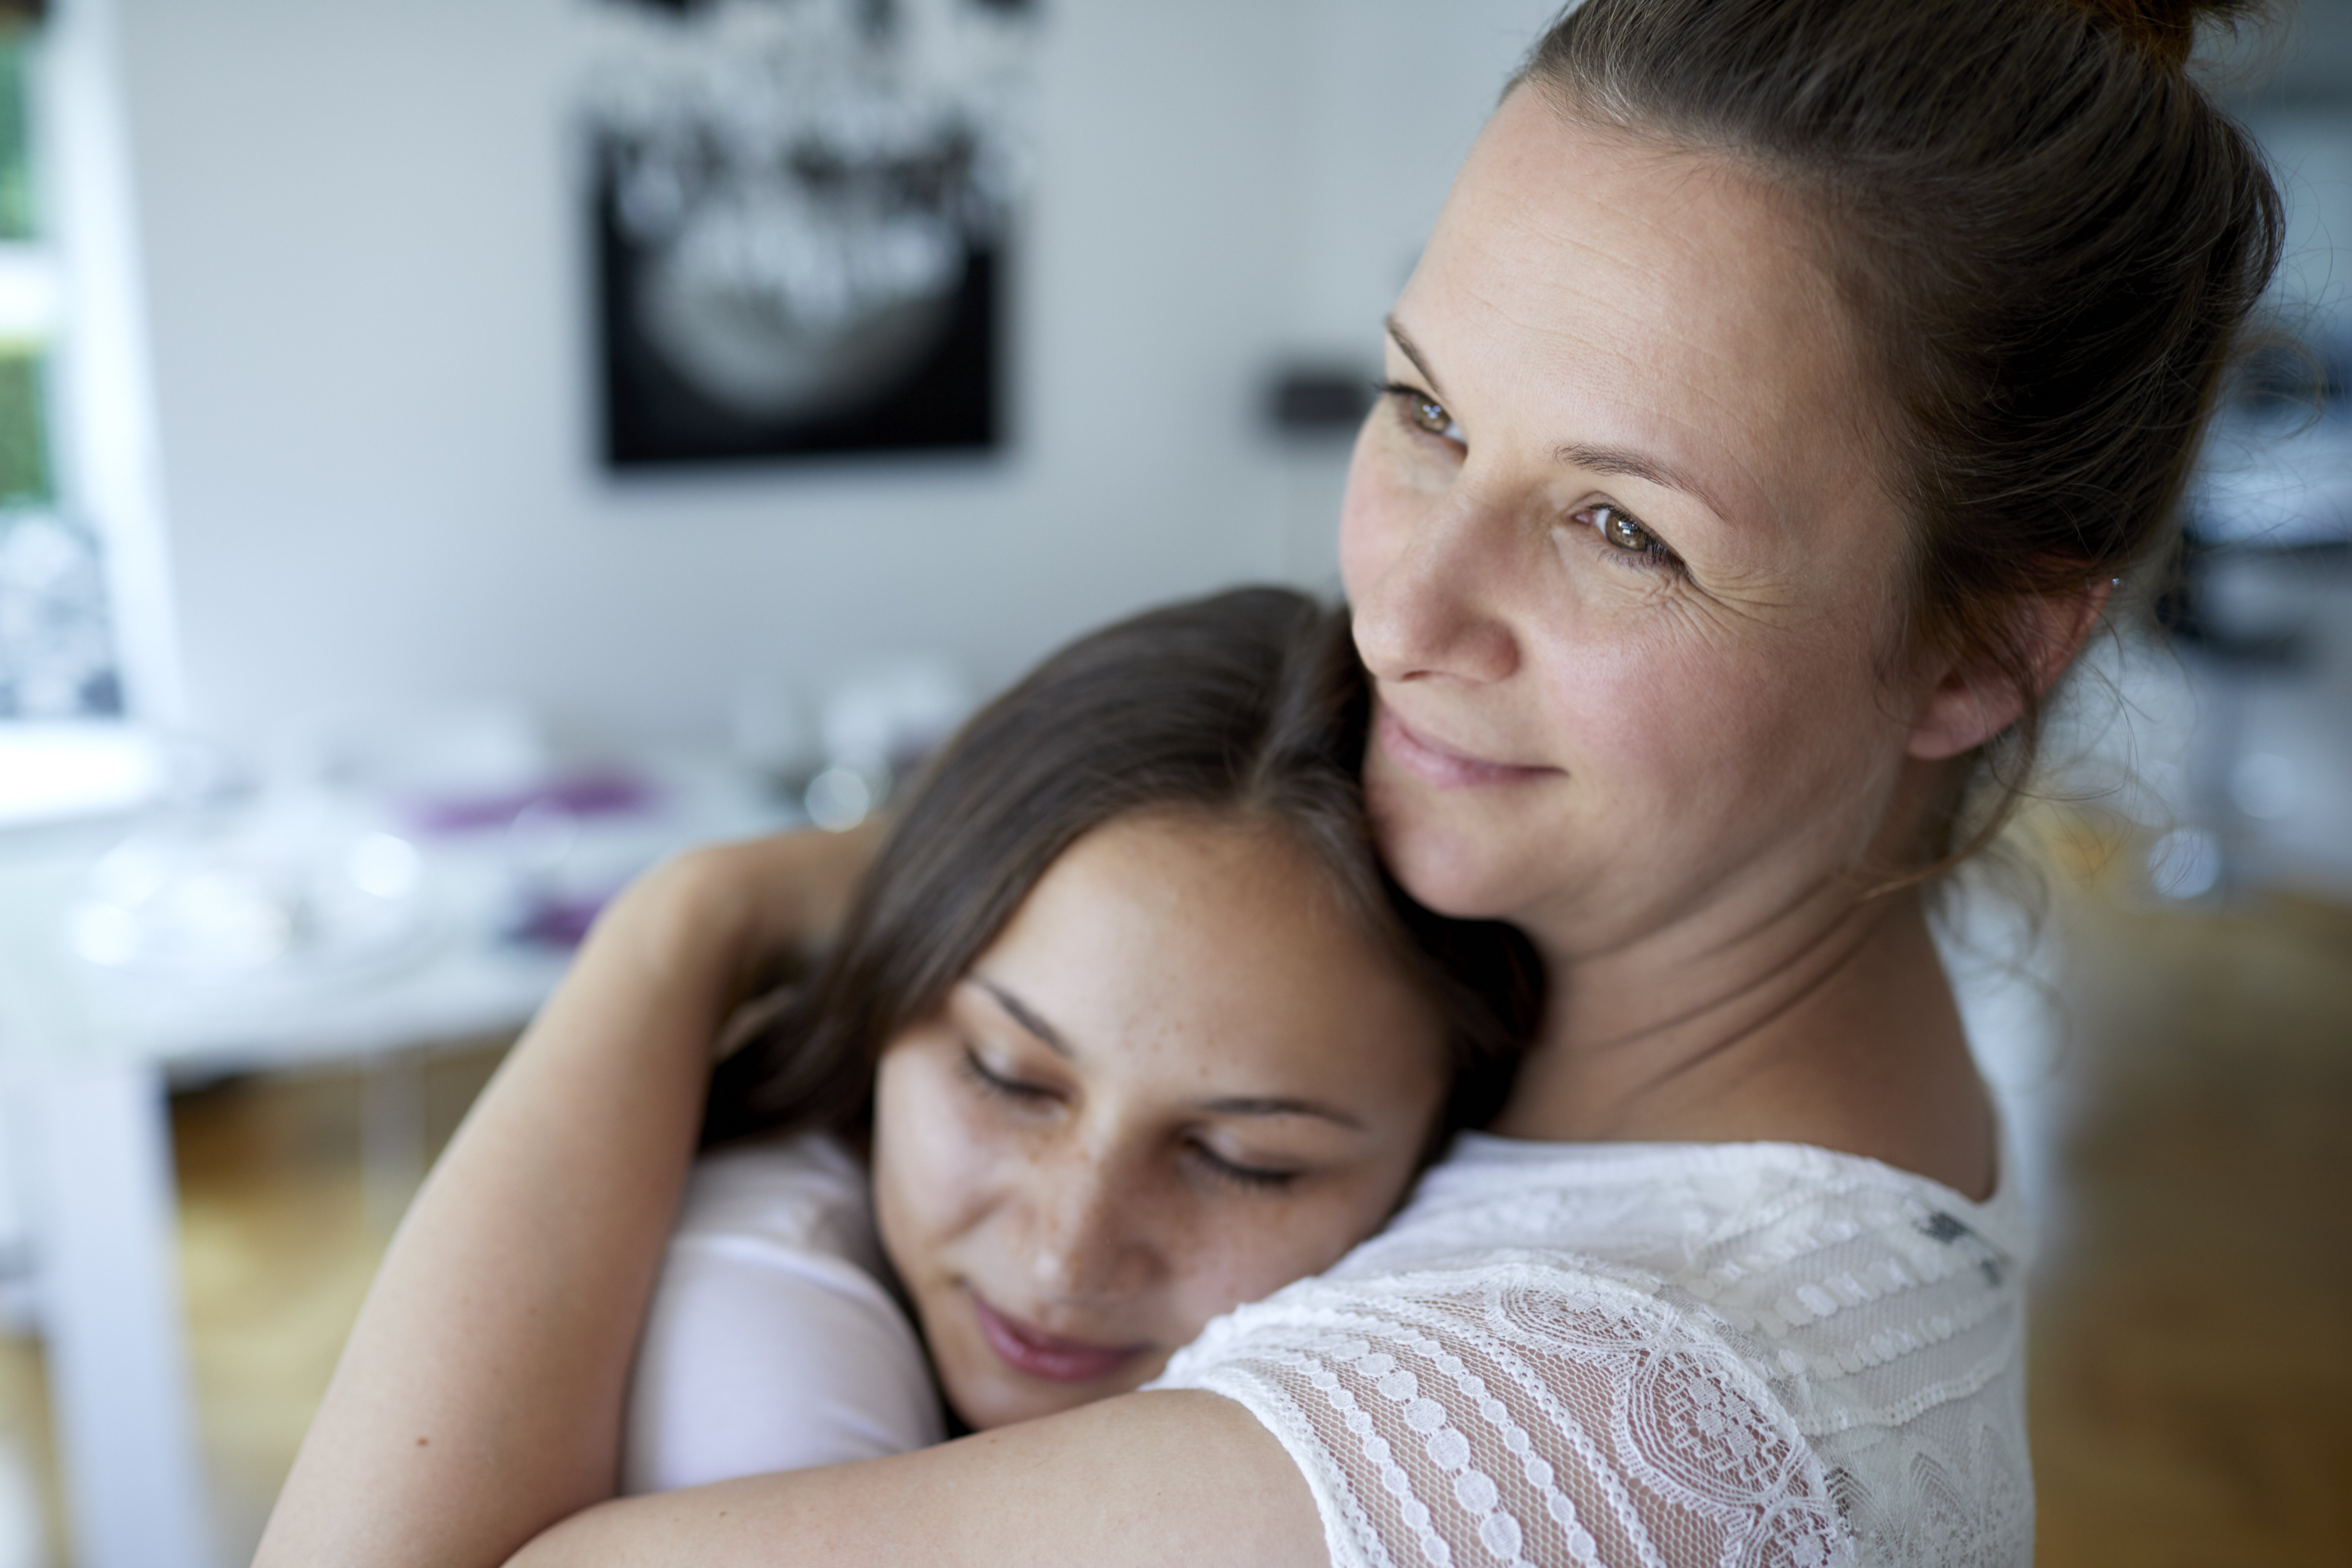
1249,704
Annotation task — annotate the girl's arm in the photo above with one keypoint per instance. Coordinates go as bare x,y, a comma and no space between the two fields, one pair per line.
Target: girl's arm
480,1397
476,1409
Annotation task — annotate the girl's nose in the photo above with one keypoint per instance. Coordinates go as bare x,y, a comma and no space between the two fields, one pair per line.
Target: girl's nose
1090,1232
1430,607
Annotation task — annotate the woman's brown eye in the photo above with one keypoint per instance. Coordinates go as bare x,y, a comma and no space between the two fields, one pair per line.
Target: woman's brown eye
1427,415
1619,529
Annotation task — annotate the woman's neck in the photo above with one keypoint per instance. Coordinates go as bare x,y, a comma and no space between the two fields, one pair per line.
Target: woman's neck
1833,1026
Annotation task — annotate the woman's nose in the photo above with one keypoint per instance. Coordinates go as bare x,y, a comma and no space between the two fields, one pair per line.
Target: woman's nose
1429,605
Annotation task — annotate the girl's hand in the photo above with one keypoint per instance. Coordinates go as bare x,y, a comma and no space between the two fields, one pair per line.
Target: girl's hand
730,912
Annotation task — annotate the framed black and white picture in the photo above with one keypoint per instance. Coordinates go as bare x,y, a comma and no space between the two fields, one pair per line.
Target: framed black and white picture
800,226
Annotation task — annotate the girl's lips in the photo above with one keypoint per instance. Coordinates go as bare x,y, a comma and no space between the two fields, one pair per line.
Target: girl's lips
1434,763
1028,1348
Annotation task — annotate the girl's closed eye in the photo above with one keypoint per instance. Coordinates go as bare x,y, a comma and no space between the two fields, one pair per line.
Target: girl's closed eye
1004,1084
1240,1172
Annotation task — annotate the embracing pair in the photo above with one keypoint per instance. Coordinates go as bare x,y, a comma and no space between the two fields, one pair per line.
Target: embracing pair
1785,394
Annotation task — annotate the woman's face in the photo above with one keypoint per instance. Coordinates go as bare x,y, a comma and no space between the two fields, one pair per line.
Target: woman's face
1178,1079
1622,564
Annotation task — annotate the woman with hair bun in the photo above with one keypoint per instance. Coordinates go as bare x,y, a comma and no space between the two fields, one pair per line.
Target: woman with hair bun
1785,392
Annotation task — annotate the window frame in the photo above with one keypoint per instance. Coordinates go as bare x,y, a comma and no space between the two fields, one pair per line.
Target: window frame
104,467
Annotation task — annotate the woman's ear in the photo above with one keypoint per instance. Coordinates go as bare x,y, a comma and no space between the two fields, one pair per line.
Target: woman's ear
1977,698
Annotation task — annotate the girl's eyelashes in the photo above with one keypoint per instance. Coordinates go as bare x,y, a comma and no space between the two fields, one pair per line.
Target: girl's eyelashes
1623,533
1035,1095
1256,1178
1012,1089
1422,411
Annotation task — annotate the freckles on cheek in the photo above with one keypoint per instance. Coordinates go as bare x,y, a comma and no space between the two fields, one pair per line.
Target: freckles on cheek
1249,1259
933,1158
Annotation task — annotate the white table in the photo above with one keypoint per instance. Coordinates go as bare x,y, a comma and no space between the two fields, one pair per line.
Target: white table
85,1063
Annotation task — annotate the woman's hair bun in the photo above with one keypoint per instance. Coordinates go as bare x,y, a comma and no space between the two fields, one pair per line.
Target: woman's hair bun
2167,29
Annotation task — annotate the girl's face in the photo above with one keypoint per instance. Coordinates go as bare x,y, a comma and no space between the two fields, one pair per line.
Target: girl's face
1179,1078
1621,561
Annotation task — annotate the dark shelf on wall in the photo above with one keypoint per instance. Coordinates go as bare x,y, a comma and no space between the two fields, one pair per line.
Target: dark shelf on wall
878,10
1310,402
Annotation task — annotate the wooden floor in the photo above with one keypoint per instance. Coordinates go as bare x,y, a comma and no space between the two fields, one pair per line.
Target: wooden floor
282,1221
2191,1379
288,1189
2191,1384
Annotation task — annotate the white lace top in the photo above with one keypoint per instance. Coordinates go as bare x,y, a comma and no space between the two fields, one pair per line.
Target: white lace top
1758,1354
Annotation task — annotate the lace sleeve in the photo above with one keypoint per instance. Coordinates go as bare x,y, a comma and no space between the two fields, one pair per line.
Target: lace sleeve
1521,1412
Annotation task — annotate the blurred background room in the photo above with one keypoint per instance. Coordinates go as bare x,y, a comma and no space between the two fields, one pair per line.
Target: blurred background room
455,452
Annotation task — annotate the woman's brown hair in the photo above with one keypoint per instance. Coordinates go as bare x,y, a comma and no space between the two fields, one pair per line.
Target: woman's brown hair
2050,237
1248,705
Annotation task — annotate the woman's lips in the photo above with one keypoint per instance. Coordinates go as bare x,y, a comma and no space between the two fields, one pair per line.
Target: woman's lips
1426,759
1029,1348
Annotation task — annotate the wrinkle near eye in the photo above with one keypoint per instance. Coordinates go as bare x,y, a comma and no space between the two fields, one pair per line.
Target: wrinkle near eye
1715,617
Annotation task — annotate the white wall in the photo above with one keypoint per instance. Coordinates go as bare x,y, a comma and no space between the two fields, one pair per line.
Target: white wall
365,272
2310,147
1390,96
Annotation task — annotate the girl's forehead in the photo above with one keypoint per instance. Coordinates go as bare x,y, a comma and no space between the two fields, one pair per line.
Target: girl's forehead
1168,916
1189,946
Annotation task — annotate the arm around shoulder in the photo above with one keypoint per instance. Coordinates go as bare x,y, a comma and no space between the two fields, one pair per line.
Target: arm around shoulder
479,1397
1142,1480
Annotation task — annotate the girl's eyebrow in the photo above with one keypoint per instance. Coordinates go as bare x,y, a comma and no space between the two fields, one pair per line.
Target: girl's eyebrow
1028,1018
1238,1105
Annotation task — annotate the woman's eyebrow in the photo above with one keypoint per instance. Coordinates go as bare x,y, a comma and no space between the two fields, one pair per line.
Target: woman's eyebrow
1405,346
1577,454
1619,460
1028,1018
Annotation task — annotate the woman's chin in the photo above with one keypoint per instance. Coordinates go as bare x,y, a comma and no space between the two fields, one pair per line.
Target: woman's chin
1434,844
1450,871
1448,876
